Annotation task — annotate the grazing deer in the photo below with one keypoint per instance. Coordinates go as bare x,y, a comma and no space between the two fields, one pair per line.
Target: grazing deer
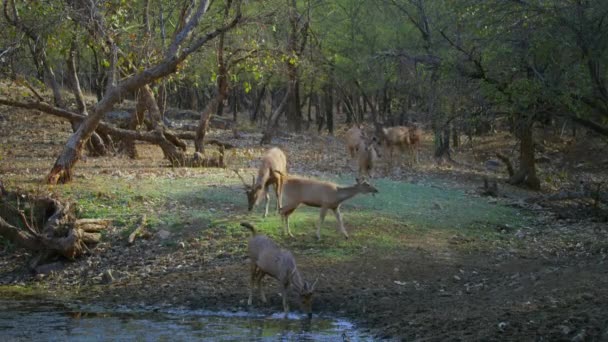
275,160
268,259
324,195
354,136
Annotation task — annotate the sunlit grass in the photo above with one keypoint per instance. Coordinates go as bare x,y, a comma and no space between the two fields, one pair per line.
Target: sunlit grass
211,206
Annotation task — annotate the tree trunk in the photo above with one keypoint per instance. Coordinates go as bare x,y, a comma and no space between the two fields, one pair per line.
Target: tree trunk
328,98
526,175
96,145
258,104
274,118
203,125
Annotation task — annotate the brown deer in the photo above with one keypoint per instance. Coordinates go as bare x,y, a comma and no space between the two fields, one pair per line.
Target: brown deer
354,136
275,160
269,259
367,155
403,138
315,193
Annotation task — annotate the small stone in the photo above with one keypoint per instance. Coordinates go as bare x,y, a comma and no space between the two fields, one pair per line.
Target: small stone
565,330
502,326
163,234
579,337
106,277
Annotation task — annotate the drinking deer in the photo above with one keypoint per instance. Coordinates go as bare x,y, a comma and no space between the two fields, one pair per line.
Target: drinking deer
320,194
269,259
275,160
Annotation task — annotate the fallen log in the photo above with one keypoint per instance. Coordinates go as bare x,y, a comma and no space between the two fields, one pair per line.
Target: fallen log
49,229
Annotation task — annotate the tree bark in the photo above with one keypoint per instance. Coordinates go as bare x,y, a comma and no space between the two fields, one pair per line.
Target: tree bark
274,118
203,126
526,175
258,103
96,145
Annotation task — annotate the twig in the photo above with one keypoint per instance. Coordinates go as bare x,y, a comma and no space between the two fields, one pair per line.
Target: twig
137,230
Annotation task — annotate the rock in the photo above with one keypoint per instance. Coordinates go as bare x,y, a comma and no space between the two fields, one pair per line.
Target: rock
163,234
564,329
580,336
106,277
502,326
492,165
437,206
520,234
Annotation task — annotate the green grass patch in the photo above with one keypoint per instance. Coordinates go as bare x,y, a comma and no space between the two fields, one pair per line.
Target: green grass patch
211,207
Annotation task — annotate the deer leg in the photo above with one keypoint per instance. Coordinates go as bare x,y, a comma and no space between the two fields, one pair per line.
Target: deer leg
277,192
253,272
267,197
285,305
285,212
340,223
260,287
321,219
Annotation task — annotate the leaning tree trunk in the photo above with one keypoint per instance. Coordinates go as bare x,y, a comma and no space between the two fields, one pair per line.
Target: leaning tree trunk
526,174
274,118
96,145
203,125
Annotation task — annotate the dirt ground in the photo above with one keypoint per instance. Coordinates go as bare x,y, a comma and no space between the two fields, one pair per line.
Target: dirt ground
551,285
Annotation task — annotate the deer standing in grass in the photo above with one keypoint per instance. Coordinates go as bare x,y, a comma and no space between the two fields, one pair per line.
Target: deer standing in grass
403,138
367,155
274,163
354,136
315,193
269,259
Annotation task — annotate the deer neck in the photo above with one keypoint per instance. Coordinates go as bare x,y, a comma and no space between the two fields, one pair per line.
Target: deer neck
263,176
345,193
296,280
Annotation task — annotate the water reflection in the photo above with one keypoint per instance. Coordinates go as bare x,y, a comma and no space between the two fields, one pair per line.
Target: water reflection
33,321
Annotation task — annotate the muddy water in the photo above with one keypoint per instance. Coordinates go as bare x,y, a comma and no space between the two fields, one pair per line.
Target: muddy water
39,321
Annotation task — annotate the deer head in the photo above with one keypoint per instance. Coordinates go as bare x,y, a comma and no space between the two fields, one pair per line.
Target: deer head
306,293
253,191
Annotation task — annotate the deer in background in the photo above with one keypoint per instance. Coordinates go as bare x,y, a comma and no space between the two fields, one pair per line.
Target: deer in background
274,163
403,138
367,155
269,259
354,136
315,193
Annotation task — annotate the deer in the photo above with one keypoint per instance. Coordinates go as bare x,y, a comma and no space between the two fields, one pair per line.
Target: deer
367,155
401,137
274,159
267,258
320,194
353,138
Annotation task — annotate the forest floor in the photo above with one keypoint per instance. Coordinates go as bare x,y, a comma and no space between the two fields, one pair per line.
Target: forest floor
429,258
